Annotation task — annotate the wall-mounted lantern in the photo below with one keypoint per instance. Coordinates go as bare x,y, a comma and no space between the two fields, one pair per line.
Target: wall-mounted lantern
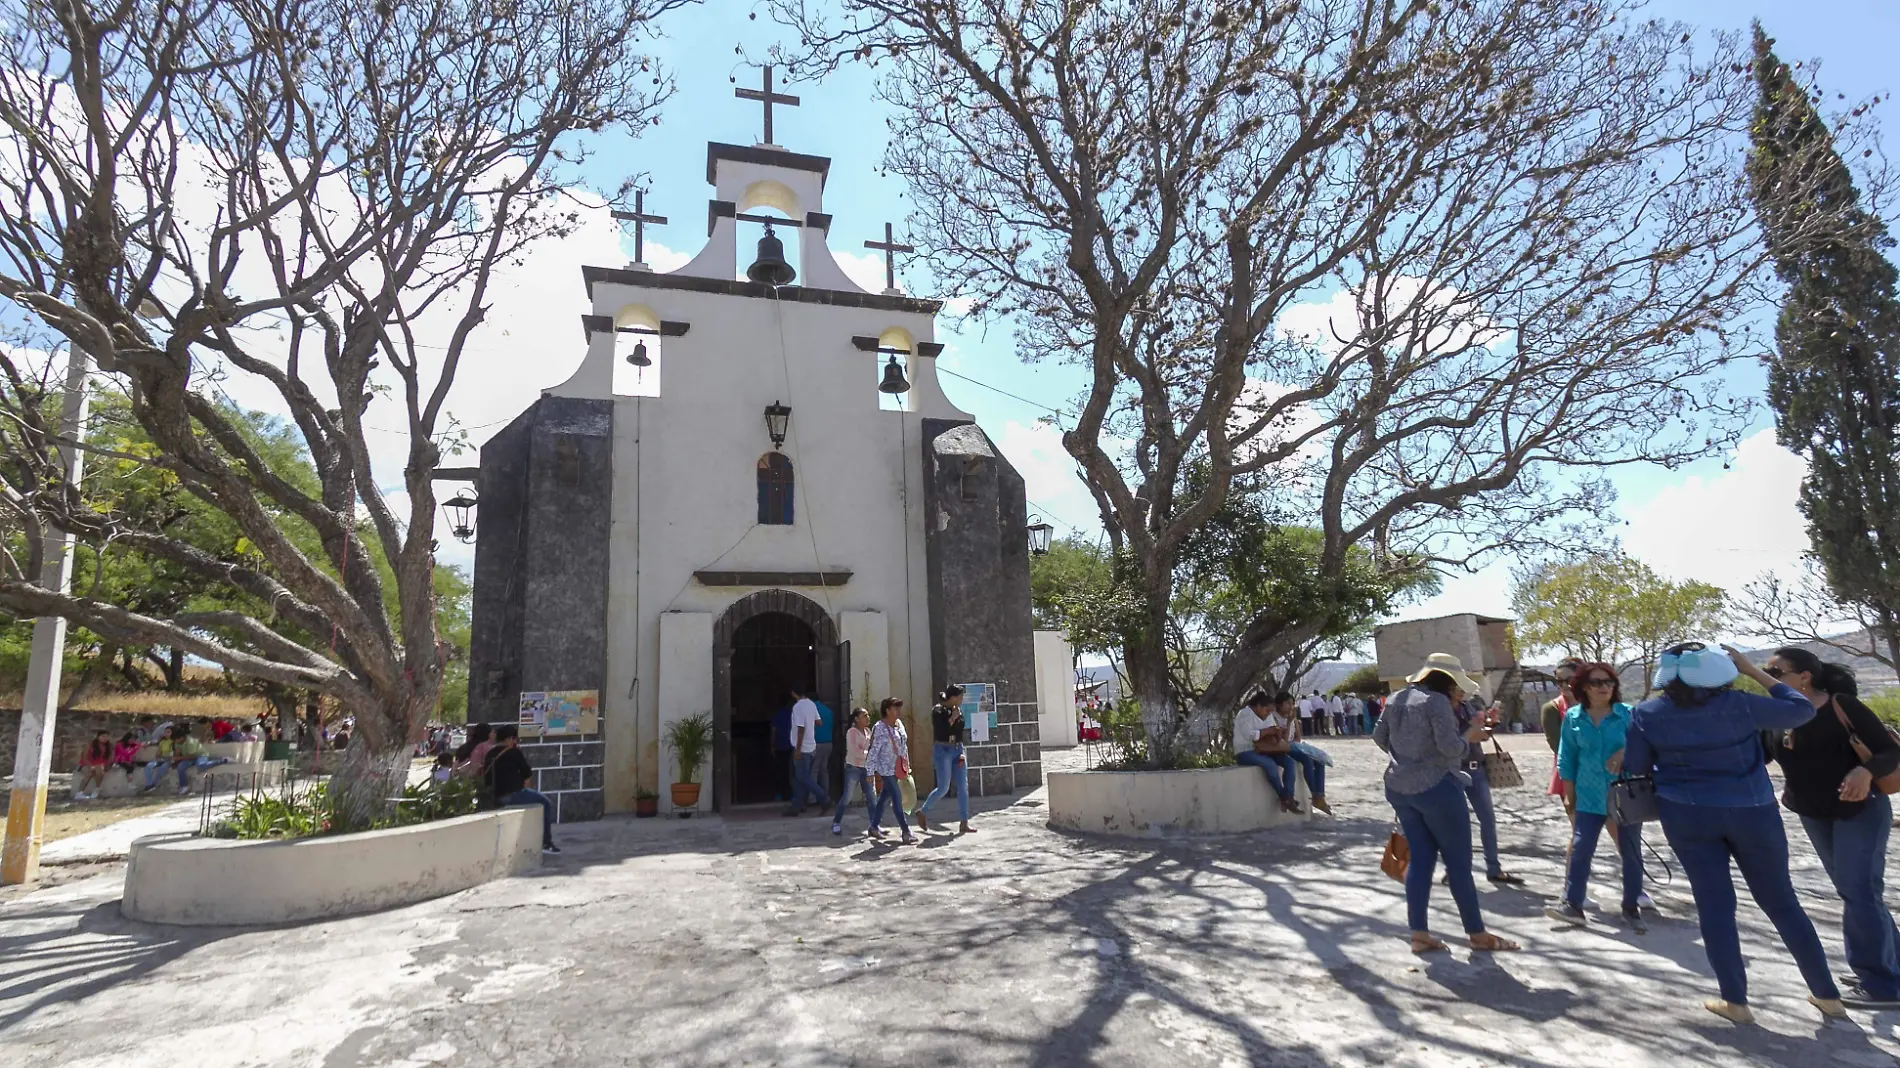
778,418
1039,533
461,509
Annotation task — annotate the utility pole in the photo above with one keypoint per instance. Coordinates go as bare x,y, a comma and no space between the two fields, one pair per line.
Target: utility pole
33,758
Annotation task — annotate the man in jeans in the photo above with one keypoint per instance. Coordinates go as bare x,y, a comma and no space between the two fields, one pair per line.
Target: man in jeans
805,755
947,758
509,774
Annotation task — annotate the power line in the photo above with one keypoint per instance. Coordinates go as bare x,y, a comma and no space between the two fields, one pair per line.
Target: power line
1004,392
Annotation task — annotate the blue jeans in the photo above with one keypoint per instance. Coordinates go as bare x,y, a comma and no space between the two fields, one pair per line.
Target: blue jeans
947,758
184,767
853,773
1479,794
888,791
525,797
1278,768
154,771
1315,773
1583,848
804,782
1706,838
1854,852
1437,824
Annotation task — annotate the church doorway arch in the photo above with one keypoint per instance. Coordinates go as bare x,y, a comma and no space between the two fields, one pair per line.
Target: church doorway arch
762,645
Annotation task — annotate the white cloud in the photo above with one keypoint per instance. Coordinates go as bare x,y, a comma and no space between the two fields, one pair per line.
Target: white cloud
1728,527
1049,479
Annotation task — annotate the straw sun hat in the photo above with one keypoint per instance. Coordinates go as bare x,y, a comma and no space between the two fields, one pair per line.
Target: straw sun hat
1450,665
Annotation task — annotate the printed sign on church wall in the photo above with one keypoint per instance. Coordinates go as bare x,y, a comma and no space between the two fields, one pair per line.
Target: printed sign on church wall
979,709
546,713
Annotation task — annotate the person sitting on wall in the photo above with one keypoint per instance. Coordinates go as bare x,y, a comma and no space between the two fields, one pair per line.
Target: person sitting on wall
509,774
93,762
126,753
188,754
1261,738
156,768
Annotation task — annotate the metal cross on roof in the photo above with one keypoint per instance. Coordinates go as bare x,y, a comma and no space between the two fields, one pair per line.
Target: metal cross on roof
640,219
890,248
767,97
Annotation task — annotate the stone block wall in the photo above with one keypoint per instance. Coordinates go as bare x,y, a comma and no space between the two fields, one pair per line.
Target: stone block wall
72,730
981,630
541,562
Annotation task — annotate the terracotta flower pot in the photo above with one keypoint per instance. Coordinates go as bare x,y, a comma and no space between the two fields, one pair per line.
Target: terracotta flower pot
685,796
646,806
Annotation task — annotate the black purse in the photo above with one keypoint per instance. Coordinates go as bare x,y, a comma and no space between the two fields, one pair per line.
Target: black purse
1632,800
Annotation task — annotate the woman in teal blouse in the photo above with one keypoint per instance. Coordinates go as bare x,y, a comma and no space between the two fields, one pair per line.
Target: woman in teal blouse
1589,757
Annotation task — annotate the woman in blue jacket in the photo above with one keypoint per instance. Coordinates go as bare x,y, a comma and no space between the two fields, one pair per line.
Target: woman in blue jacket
1701,741
1589,754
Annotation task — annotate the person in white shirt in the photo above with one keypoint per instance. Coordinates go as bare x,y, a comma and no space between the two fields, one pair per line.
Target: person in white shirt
1336,714
1307,704
1261,738
805,755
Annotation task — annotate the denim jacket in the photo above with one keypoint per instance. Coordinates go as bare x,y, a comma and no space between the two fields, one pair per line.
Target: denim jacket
1711,753
1584,747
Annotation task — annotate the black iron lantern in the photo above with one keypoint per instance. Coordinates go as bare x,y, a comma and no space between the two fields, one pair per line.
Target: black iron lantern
461,508
778,418
1039,533
640,357
894,382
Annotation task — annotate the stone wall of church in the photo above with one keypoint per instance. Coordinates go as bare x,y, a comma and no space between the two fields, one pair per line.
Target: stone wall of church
540,606
981,629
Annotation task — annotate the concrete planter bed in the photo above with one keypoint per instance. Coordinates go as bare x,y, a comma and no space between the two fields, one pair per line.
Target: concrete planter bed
1158,804
217,882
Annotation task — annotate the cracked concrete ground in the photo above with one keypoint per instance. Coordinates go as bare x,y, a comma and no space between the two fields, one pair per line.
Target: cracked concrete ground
772,943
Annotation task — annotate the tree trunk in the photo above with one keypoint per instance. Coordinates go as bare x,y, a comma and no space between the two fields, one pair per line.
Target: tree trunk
365,783
1146,654
89,678
1266,639
174,668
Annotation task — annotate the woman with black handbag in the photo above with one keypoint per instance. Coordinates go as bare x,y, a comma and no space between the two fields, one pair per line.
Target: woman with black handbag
1589,756
1700,741
1830,766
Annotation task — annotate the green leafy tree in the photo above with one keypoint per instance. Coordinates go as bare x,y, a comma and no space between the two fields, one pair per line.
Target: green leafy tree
1612,608
1834,380
1073,589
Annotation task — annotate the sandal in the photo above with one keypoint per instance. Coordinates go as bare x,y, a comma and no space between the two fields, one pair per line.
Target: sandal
1486,942
1425,943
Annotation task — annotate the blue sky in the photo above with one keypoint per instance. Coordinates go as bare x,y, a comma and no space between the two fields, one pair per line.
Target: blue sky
1663,515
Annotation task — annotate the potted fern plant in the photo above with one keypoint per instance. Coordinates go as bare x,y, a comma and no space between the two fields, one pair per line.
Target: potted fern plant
690,739
645,803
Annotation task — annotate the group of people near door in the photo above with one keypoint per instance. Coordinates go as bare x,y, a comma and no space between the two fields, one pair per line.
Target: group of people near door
877,763
1704,746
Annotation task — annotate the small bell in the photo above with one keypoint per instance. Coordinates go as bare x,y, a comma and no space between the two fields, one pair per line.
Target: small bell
640,357
771,267
894,382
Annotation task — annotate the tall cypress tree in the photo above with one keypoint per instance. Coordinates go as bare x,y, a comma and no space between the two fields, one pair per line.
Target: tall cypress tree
1834,382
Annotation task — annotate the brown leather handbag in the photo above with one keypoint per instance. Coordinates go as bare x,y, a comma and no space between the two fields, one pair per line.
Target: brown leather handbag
1398,855
1886,784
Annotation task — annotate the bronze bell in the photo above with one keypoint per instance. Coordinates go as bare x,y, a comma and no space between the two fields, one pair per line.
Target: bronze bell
771,267
640,357
894,382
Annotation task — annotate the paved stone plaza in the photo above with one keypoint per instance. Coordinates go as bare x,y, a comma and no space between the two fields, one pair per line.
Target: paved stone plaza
769,942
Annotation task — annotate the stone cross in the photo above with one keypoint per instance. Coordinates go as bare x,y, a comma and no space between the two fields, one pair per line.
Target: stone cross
767,97
640,219
890,248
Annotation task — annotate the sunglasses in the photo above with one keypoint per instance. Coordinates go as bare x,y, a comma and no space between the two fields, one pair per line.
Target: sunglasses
1609,684
1772,672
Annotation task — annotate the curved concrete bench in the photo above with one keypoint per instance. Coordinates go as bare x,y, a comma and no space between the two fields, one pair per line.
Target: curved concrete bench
259,774
204,882
1164,803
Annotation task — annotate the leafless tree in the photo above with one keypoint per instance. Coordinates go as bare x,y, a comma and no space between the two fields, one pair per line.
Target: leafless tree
307,199
1520,221
1800,609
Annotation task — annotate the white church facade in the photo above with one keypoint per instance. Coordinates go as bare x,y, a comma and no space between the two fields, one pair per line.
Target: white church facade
721,502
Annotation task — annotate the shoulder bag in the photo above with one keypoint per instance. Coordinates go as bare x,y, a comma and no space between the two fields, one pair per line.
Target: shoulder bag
1398,855
1632,800
1886,784
1501,768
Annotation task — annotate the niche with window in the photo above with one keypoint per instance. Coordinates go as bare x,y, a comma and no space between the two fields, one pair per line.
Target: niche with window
775,490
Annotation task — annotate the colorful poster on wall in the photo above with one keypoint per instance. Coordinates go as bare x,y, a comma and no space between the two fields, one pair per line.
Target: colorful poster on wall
979,710
546,713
